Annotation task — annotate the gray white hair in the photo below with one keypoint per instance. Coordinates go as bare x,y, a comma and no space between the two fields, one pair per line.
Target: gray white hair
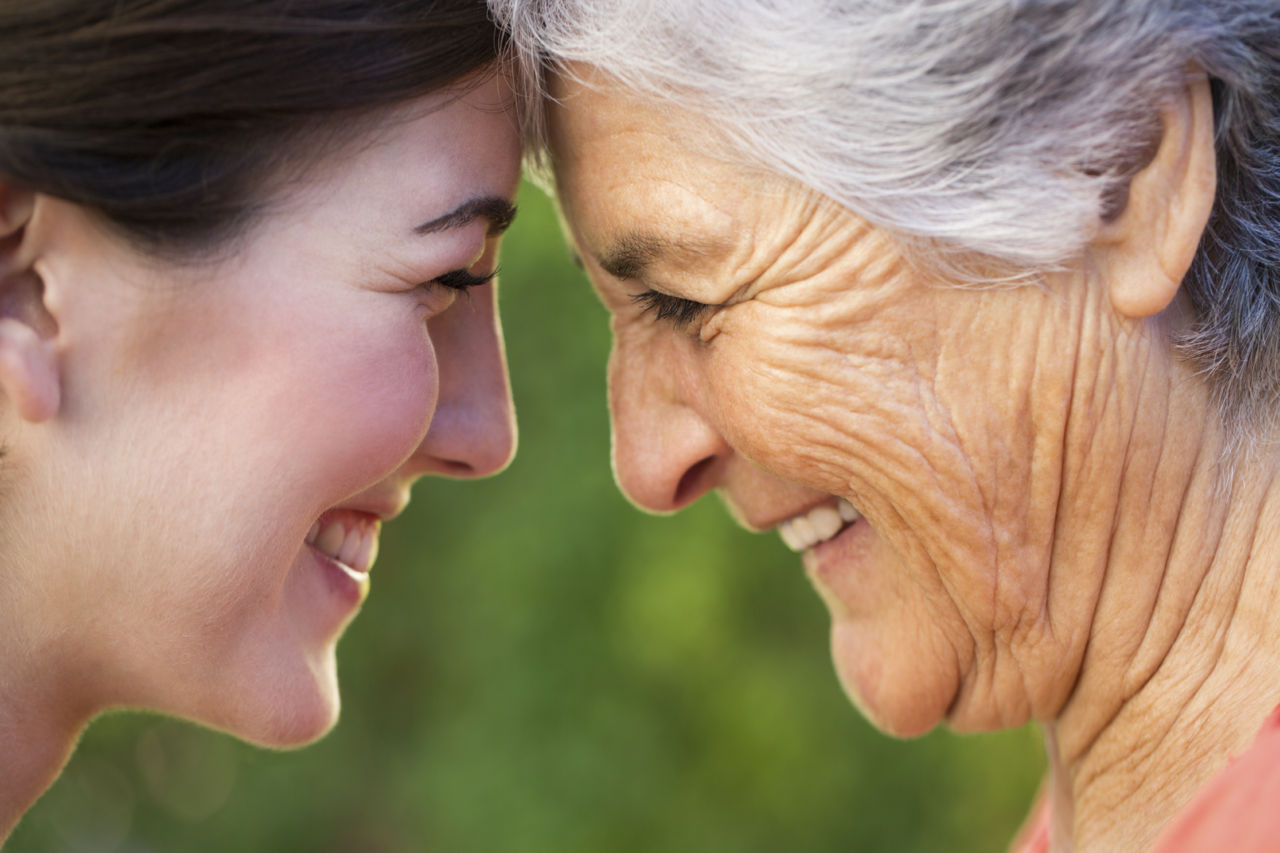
995,129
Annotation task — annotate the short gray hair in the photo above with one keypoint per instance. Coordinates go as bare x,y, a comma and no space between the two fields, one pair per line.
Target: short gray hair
999,129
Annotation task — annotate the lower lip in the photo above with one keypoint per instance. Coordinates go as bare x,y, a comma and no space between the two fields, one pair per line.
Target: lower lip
349,587
834,563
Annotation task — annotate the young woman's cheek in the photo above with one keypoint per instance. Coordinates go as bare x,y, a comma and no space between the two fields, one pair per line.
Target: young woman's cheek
374,402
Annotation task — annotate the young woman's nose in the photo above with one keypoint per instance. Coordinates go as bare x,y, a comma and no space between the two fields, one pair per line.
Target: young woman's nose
666,454
473,432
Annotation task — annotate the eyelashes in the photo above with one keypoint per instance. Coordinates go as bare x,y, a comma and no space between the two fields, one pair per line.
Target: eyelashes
681,312
462,280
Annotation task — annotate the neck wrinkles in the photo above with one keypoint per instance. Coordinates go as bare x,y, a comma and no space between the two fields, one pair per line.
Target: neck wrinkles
1180,667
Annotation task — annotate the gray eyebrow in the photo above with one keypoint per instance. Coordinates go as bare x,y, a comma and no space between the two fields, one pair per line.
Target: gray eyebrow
499,211
630,255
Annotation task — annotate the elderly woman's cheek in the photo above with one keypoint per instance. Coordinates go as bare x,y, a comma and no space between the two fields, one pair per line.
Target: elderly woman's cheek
809,408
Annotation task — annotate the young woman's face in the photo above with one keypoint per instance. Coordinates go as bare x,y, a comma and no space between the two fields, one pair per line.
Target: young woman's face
203,509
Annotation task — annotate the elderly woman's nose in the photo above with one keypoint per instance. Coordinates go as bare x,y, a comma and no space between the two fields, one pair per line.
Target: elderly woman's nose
473,432
665,453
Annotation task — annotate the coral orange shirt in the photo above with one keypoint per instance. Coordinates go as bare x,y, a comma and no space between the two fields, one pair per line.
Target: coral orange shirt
1237,811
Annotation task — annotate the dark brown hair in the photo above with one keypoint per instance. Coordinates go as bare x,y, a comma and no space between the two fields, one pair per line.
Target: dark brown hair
169,117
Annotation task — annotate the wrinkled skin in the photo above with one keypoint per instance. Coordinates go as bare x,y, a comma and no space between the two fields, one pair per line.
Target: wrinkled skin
971,428
1048,528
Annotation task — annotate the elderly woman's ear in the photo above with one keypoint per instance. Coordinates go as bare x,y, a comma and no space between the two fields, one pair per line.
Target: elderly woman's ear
1148,247
28,358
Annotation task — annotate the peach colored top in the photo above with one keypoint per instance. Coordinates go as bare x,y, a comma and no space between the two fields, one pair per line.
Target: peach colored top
1237,811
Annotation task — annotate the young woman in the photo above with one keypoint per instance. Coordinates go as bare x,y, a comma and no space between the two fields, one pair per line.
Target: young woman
233,238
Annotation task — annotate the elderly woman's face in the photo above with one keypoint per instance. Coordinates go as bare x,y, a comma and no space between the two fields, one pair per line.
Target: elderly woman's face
818,373
233,432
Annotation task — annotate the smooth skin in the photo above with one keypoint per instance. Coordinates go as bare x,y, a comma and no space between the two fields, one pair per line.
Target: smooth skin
174,428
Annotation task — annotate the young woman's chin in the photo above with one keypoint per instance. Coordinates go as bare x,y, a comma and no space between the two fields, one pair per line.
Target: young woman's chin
282,681
284,709
297,723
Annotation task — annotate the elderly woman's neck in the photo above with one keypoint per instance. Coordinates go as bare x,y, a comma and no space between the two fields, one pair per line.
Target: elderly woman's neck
1183,662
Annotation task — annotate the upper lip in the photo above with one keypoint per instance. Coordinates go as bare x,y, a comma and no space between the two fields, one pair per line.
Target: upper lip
762,524
384,505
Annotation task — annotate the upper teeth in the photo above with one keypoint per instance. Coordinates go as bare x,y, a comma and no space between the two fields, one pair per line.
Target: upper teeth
817,525
352,544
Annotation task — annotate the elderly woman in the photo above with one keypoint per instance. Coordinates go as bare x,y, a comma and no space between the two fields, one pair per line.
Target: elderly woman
231,240
977,304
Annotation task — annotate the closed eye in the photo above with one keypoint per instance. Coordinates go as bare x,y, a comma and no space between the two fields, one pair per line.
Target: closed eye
681,312
462,280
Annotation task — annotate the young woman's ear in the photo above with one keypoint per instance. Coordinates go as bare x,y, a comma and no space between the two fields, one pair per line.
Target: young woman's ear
1148,246
29,378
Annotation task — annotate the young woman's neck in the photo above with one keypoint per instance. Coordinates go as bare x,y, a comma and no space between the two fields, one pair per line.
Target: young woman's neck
35,745
41,710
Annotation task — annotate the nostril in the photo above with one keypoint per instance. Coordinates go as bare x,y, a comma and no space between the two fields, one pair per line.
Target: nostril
691,483
454,468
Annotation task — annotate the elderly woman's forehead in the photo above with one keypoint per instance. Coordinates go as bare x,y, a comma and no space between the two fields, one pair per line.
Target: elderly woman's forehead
586,102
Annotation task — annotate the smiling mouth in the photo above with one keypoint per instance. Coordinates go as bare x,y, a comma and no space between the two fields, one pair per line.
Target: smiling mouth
802,532
350,539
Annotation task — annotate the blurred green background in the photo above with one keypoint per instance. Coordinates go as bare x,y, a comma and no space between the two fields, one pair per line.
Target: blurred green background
540,667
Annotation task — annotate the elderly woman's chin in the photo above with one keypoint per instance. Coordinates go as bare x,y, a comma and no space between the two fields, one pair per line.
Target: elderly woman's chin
899,695
903,650
903,706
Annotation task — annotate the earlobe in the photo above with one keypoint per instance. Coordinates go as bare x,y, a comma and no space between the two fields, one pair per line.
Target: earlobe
29,378
1148,248
28,371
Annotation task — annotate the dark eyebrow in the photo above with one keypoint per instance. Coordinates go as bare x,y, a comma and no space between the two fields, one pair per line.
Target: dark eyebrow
499,211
